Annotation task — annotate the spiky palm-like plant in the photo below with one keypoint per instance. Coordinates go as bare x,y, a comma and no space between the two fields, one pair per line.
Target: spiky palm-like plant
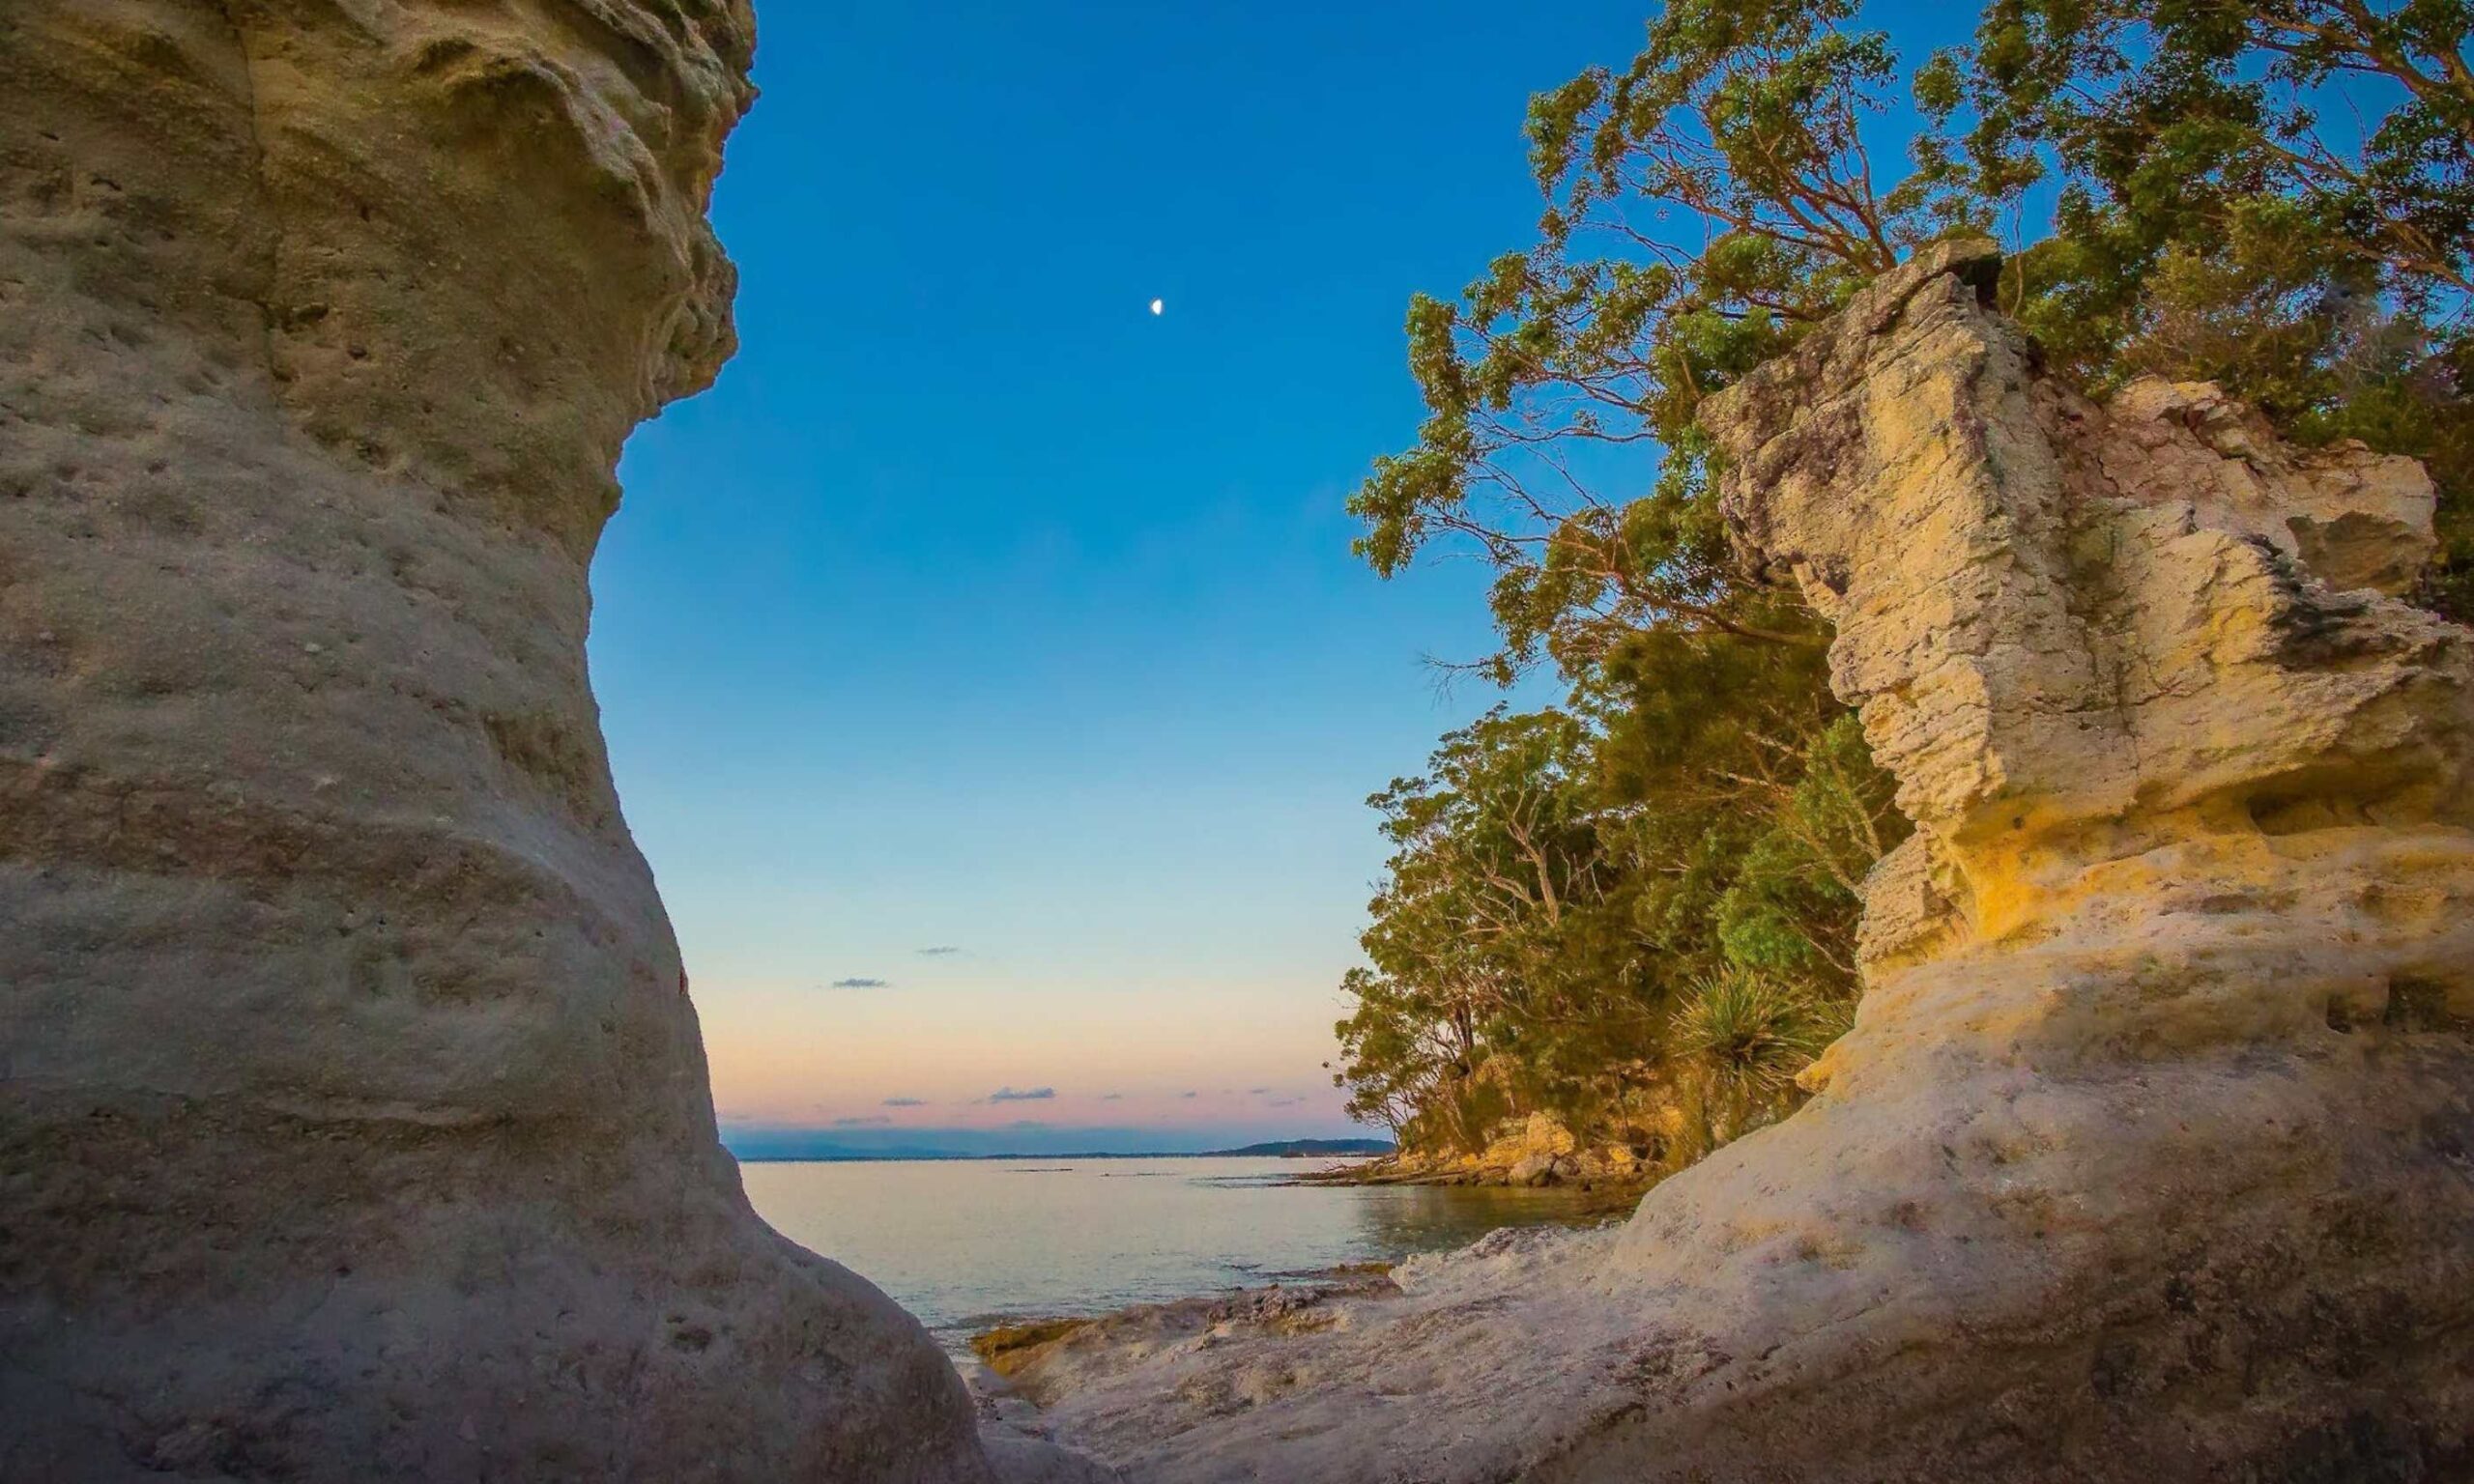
1741,1039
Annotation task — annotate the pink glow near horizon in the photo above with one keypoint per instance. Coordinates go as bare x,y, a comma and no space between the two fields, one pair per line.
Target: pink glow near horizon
1198,1058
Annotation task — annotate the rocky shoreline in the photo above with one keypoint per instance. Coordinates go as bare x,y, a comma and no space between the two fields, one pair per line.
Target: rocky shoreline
1595,1192
2144,1157
1033,1358
1536,1153
1022,1366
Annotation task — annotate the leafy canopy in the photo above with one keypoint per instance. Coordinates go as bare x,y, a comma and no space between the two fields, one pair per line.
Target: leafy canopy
1638,911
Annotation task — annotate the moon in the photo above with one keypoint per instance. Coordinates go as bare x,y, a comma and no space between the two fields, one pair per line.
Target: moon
1157,306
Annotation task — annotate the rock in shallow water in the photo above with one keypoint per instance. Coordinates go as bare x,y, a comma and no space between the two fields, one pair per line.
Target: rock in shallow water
355,1121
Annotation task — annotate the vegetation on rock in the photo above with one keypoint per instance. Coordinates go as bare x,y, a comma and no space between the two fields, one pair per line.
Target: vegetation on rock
1636,912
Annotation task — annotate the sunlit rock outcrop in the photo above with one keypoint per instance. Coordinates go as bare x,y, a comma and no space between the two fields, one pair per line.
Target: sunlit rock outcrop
2148,1153
2084,638
2151,1152
353,1117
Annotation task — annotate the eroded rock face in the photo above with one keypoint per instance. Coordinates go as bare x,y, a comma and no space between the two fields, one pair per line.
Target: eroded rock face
2083,637
2148,1155
353,1116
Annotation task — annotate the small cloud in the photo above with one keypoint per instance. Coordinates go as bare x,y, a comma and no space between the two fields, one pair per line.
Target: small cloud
1022,1095
941,950
860,983
903,1102
1112,1098
861,1122
1190,1094
1256,1091
1286,1103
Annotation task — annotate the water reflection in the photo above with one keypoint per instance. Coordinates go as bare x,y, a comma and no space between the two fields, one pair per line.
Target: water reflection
1400,1220
957,1241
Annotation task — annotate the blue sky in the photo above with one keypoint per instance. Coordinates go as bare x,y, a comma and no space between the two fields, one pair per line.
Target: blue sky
977,609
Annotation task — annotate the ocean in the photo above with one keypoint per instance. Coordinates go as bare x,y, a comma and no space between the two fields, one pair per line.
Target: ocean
964,1243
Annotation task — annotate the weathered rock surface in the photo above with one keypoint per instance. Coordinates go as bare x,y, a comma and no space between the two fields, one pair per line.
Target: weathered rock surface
2151,1152
353,1116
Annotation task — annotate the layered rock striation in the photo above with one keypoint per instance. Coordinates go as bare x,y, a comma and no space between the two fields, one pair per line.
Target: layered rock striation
352,1115
2150,1153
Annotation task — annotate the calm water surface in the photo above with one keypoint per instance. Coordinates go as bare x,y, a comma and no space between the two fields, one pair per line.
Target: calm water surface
963,1242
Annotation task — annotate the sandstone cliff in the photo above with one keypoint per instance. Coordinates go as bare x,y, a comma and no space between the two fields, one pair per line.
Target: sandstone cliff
353,1116
2148,1155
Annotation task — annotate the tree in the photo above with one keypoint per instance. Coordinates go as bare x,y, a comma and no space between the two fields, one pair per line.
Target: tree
1657,885
1560,879
1706,205
2277,195
1488,940
1561,883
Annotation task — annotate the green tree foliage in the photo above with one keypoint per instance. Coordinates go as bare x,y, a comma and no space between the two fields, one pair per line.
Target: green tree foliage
1561,883
1491,934
1714,806
2274,195
1559,444
1742,1038
1637,911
